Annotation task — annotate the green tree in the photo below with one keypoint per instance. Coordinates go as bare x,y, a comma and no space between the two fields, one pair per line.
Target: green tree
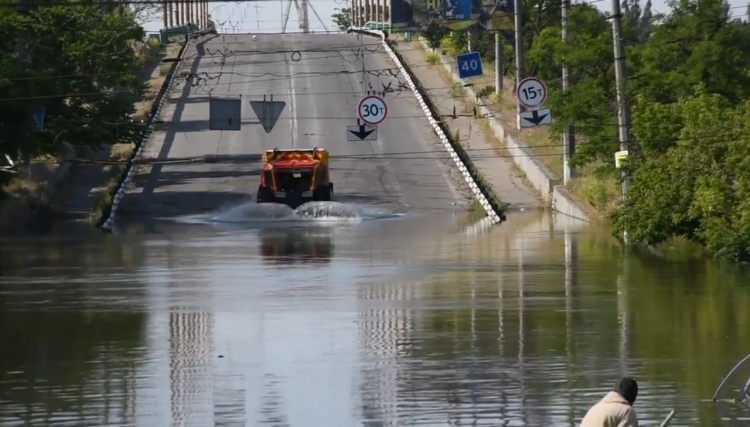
696,44
590,59
699,187
343,19
80,67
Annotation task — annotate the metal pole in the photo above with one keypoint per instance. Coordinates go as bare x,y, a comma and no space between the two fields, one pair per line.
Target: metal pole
468,40
569,137
518,7
623,106
305,18
498,63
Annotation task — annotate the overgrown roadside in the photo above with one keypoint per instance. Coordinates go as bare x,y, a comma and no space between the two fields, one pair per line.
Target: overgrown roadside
596,195
60,102
87,194
77,185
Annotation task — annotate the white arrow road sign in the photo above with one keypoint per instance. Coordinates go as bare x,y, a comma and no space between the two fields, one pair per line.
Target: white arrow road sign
530,119
361,133
531,92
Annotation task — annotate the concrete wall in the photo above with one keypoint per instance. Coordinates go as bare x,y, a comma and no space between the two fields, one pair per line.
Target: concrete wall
549,186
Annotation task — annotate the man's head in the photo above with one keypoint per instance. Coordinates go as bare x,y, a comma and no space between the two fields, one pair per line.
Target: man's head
628,389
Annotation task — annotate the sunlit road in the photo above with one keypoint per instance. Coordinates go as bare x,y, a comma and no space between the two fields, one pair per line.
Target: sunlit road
320,80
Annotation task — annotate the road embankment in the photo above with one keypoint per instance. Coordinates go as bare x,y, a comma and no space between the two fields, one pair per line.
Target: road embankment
506,141
316,81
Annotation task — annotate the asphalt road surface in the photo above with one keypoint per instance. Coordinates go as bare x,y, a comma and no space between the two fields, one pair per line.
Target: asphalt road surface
320,80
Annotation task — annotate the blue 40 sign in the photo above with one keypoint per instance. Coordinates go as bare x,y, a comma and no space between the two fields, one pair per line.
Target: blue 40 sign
469,65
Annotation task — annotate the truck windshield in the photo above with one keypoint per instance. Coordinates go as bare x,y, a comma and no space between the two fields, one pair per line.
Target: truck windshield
293,181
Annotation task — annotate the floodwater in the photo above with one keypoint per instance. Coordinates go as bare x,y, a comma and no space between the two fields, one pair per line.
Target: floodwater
334,316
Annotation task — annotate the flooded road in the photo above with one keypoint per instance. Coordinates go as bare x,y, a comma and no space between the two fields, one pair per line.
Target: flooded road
373,319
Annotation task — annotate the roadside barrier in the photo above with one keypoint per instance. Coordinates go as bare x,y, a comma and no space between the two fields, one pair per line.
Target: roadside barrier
460,158
129,172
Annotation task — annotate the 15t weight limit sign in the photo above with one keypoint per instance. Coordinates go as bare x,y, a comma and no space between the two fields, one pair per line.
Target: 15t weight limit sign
531,92
372,110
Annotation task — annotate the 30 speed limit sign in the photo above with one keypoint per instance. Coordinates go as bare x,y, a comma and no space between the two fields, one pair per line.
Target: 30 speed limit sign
531,92
372,110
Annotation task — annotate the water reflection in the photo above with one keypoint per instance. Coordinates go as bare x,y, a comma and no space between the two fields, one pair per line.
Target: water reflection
296,245
527,323
70,345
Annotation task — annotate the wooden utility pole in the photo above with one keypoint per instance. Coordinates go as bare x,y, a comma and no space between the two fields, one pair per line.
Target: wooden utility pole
623,106
569,136
165,12
499,66
520,72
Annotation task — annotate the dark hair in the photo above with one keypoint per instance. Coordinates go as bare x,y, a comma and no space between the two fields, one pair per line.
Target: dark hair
628,389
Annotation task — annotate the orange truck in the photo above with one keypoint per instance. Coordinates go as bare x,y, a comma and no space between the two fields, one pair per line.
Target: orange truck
294,177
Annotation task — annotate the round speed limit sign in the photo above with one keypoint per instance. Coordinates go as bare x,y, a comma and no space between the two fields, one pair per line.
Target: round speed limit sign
531,92
372,110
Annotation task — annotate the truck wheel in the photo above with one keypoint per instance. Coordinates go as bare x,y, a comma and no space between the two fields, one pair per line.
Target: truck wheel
323,194
259,196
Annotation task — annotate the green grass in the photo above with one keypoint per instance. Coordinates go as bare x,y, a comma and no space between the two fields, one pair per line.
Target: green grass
432,58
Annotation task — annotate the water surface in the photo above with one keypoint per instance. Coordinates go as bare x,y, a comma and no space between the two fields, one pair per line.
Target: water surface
376,318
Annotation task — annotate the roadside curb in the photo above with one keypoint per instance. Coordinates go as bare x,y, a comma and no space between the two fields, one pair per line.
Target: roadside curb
127,175
482,193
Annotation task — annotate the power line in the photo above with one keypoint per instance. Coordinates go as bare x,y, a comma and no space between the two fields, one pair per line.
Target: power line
396,155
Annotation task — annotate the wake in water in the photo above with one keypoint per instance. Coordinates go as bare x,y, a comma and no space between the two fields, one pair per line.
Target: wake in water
309,212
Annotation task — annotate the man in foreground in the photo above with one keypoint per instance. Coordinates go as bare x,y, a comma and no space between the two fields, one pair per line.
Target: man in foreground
616,408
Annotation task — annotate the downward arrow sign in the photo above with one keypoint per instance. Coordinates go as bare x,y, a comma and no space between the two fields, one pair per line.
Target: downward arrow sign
362,133
536,118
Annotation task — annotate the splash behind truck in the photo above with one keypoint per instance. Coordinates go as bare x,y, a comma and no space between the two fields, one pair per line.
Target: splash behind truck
294,177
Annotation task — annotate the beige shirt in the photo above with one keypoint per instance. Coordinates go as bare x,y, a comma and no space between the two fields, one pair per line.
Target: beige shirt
612,411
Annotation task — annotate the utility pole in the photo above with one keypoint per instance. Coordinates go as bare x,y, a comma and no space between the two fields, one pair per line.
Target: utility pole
569,136
165,7
518,9
257,16
623,106
498,63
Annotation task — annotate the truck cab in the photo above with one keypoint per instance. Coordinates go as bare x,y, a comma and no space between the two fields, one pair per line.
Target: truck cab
294,177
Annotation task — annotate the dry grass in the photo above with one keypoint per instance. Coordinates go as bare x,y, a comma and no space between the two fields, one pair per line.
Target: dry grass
156,80
23,187
122,151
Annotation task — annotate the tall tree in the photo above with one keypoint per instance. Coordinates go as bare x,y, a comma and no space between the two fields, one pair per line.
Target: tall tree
81,71
343,19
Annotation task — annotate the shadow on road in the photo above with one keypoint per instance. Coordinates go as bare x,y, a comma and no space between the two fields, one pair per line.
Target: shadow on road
153,178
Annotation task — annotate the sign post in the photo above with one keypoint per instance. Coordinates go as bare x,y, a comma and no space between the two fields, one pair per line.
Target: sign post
372,110
469,65
531,93
39,118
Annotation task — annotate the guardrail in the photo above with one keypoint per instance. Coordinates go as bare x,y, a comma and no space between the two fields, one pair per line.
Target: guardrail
129,172
469,172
